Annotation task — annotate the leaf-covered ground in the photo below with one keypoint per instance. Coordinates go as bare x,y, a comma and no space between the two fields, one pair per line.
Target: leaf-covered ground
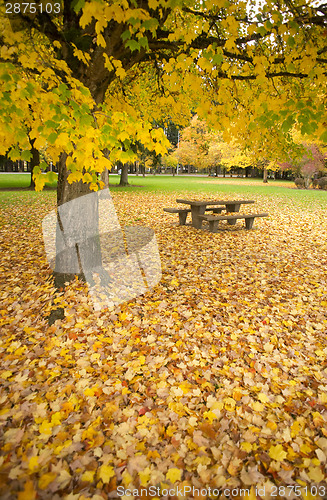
216,378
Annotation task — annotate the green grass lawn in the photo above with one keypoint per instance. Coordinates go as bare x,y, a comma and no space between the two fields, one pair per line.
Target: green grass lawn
240,187
18,180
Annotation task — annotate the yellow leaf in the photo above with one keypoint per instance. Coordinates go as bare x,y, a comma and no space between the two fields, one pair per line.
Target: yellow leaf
90,392
210,415
101,41
229,404
45,427
88,476
246,447
46,479
127,478
33,463
28,493
121,73
145,476
296,428
272,425
315,474
257,406
263,397
174,475
105,473
75,177
87,178
56,418
277,453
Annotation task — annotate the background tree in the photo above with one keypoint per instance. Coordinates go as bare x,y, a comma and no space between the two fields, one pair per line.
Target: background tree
196,145
310,162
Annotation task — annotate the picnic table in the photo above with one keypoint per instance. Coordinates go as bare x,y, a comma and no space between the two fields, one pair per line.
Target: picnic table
198,208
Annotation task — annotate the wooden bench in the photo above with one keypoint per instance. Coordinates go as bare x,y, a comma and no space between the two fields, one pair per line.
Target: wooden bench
231,219
182,214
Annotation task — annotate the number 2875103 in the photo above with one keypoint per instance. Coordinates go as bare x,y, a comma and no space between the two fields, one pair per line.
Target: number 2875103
28,8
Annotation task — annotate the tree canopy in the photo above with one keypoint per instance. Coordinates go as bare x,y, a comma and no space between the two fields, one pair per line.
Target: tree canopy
103,69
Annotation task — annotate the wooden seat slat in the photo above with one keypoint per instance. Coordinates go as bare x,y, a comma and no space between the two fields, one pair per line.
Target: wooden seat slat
231,219
182,214
218,202
177,210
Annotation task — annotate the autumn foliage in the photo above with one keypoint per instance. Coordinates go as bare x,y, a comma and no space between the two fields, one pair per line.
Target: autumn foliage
215,378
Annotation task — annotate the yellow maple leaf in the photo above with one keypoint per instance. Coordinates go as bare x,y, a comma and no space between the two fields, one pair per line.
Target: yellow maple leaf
105,473
46,479
174,475
88,476
257,406
46,427
28,493
56,418
33,463
277,453
229,404
316,474
145,476
263,397
246,446
210,415
87,178
127,478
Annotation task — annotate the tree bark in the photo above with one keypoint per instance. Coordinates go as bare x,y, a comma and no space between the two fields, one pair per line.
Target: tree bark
124,175
35,160
105,178
265,175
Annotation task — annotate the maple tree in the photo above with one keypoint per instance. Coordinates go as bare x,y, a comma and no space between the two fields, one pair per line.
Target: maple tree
197,145
79,82
310,161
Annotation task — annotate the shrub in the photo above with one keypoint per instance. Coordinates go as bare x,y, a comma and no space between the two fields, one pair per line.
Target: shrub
315,183
299,182
322,183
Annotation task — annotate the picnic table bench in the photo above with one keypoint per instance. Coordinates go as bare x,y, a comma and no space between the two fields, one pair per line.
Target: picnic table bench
182,214
200,207
231,219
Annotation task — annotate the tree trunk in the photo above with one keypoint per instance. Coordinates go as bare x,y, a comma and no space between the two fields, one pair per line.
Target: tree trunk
35,160
105,178
307,182
265,175
137,167
216,171
124,175
77,245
